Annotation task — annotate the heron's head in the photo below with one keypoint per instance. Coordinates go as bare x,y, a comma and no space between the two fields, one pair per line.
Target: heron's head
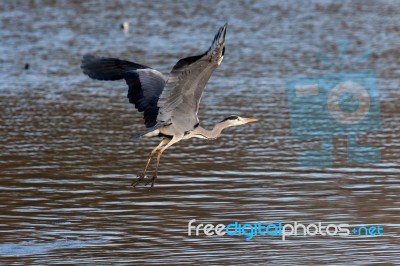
235,120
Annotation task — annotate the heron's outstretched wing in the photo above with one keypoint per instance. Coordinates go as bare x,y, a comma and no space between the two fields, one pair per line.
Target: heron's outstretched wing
145,84
186,82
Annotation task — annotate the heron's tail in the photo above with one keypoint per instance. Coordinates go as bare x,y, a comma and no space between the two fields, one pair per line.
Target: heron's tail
107,68
151,132
137,135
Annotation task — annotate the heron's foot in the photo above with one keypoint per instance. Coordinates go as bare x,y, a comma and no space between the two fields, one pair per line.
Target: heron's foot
140,178
152,181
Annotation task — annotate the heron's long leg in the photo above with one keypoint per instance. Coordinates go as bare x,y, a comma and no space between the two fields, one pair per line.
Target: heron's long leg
169,144
162,143
141,176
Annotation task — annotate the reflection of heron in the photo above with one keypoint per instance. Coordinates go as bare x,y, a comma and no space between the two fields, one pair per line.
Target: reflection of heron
170,108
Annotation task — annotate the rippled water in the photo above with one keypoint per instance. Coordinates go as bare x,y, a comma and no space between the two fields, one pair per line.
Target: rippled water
67,164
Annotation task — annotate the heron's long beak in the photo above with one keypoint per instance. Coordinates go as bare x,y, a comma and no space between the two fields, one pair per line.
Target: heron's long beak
250,120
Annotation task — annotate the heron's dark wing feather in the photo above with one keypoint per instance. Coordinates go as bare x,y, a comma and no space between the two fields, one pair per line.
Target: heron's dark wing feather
187,80
145,84
103,68
145,87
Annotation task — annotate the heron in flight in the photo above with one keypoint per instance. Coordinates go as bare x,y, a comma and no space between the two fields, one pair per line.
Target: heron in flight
169,107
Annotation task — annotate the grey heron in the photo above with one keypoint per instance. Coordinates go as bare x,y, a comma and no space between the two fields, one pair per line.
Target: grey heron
169,107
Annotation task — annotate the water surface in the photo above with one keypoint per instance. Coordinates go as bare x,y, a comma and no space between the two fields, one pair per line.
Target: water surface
67,164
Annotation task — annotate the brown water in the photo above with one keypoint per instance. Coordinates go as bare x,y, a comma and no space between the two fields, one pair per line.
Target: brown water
67,164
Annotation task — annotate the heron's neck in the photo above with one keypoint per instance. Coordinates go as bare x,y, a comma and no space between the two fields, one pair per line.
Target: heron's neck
201,132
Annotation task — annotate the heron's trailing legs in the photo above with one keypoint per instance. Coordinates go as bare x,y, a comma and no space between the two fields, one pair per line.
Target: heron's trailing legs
169,144
142,176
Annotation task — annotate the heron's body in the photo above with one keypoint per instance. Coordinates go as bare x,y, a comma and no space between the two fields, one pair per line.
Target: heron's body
169,107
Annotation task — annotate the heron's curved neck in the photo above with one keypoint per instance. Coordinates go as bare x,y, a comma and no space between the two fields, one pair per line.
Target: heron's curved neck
203,133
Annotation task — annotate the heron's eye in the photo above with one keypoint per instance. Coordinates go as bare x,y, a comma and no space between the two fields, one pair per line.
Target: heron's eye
223,51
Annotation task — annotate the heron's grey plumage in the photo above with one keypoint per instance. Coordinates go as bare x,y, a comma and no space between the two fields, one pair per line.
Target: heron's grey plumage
170,108
181,96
